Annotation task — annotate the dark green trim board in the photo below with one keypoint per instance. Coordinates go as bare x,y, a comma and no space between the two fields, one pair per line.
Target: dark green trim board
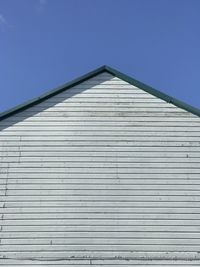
154,91
50,93
91,74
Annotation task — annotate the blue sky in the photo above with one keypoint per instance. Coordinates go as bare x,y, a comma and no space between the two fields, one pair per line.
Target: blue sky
44,43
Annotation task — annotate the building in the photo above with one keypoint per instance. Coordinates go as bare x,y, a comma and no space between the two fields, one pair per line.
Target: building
104,171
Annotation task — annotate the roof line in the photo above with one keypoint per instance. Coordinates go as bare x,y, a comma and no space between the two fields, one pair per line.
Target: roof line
154,91
51,93
91,74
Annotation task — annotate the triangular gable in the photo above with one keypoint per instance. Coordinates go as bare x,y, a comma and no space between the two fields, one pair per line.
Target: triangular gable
92,74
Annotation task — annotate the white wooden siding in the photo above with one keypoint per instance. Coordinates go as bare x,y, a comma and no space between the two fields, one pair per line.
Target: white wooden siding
103,174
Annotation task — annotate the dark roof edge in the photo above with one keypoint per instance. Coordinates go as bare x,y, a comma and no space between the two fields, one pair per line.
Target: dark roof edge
154,91
91,74
51,93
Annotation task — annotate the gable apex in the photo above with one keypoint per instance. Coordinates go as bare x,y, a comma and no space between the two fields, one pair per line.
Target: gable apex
92,74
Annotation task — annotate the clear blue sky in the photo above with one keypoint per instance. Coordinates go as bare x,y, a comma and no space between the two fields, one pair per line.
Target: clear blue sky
44,43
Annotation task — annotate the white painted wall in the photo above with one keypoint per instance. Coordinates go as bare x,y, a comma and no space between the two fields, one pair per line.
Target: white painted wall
103,174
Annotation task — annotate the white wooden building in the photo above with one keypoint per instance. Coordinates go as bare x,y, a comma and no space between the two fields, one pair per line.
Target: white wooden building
104,171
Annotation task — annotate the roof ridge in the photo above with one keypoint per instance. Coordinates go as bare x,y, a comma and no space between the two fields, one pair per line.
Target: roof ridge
104,68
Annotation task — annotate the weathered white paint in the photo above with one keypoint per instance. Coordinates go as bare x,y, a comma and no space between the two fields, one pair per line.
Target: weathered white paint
103,174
